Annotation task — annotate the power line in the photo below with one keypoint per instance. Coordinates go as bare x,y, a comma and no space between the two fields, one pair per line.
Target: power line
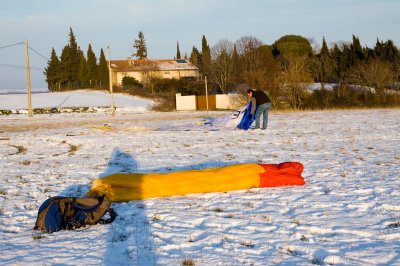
11,45
39,53
20,67
6,46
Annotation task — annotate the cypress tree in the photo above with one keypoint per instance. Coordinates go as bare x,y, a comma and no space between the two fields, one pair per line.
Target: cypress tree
82,71
391,52
205,56
103,70
335,57
341,59
92,73
69,62
326,62
236,64
324,50
178,53
368,53
65,72
356,51
378,49
140,46
195,57
52,70
75,54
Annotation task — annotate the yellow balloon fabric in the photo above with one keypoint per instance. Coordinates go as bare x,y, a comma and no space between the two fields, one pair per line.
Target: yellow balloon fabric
135,186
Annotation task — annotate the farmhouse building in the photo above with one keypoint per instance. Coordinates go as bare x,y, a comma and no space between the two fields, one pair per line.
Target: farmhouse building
146,68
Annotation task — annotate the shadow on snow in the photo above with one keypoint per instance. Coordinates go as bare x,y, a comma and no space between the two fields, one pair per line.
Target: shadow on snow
130,235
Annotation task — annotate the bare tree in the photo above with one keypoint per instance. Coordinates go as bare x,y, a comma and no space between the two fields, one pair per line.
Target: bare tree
222,68
374,73
251,58
150,74
293,79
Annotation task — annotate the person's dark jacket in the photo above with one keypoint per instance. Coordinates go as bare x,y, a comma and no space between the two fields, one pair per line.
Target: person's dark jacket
259,97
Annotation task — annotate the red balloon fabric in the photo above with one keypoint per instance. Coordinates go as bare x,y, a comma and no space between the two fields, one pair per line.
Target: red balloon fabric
283,174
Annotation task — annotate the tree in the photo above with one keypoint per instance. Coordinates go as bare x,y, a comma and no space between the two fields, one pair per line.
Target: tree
178,53
292,79
267,79
324,49
82,70
341,56
65,71
387,51
357,54
292,45
75,54
91,64
251,64
52,70
150,75
391,52
130,83
235,65
374,73
205,56
103,74
195,57
69,62
326,63
322,65
140,46
221,71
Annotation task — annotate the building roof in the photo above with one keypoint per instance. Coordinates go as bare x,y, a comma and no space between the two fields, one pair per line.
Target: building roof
149,64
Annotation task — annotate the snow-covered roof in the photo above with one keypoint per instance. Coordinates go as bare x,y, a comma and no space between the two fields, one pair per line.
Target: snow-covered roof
151,64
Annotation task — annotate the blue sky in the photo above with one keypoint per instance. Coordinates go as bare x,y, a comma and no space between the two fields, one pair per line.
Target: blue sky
46,23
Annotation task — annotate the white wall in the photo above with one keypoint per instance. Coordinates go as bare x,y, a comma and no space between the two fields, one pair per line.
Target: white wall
223,101
185,102
227,101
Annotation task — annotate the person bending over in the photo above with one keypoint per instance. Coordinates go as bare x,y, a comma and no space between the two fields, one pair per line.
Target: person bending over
260,99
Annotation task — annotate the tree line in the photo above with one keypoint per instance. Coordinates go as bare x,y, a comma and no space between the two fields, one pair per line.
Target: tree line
350,74
75,70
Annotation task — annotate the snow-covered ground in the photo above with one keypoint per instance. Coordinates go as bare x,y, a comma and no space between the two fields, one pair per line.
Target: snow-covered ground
348,212
68,99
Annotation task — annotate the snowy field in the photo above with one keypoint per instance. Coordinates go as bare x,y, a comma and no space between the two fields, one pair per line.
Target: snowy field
348,212
69,99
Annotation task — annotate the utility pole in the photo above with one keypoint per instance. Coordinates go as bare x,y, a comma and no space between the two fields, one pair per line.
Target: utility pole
110,78
28,79
205,82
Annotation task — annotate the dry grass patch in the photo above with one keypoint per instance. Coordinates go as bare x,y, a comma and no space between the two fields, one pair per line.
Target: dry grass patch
37,237
72,149
218,209
394,225
188,262
20,149
247,243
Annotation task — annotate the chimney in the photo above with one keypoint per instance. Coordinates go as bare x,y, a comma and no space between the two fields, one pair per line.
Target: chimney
130,62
